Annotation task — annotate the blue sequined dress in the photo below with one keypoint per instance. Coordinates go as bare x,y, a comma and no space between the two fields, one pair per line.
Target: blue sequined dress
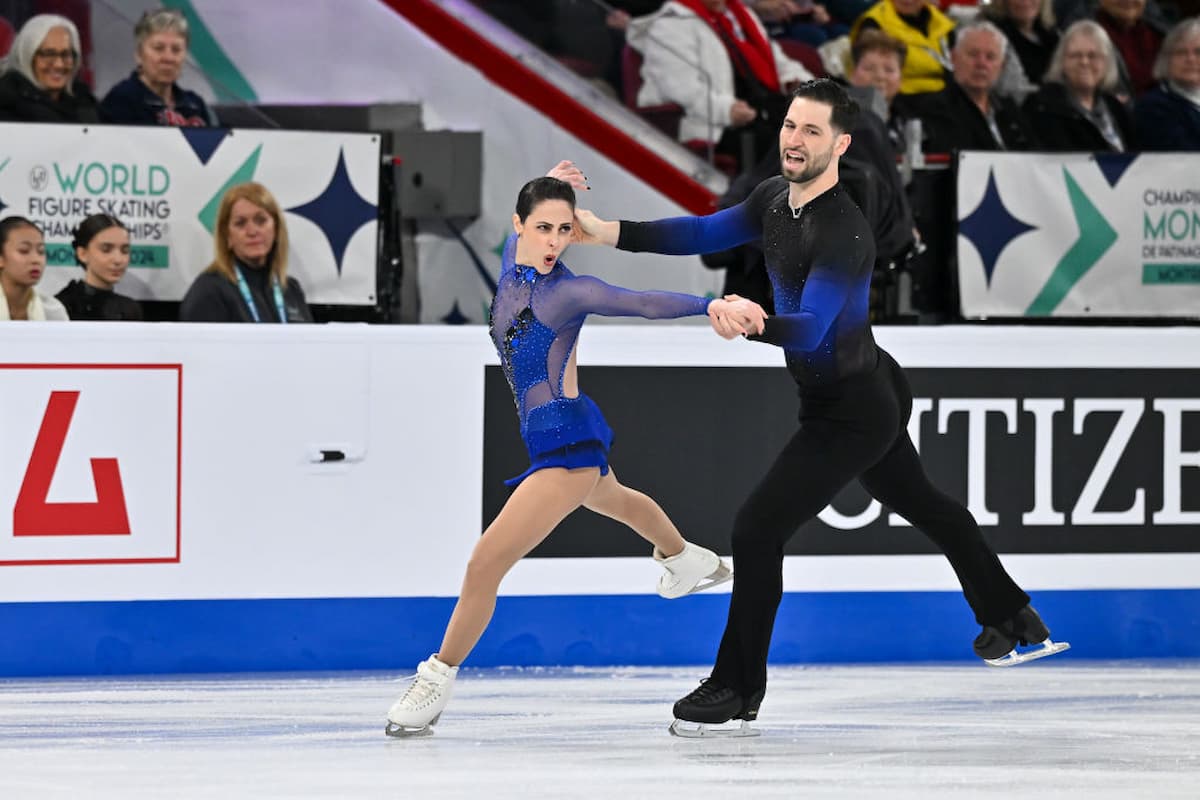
535,323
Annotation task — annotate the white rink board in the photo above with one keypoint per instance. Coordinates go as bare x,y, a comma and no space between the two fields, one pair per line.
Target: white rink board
258,519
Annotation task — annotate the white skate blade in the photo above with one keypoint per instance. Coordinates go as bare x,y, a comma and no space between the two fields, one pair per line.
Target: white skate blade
704,730
400,732
410,731
1014,657
722,574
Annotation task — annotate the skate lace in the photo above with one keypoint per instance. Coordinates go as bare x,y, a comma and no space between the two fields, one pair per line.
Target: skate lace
707,688
419,693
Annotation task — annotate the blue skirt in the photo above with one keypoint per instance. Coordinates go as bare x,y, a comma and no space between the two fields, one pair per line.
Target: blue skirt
569,433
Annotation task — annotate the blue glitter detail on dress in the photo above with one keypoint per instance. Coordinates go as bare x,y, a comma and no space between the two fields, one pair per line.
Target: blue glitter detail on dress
534,324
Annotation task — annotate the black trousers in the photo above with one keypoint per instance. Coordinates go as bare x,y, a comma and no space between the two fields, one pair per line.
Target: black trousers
854,429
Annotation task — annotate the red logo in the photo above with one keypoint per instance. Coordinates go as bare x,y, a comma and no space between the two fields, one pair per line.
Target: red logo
33,516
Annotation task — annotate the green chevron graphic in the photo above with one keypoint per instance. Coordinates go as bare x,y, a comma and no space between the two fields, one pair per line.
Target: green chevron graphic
1095,237
208,215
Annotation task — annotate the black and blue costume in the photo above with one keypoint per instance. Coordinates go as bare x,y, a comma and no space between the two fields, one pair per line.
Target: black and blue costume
854,408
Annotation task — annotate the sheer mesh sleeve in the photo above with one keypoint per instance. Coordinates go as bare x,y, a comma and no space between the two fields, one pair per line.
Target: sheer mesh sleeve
584,294
508,259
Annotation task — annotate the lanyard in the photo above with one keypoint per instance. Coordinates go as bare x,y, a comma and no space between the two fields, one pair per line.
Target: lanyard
275,290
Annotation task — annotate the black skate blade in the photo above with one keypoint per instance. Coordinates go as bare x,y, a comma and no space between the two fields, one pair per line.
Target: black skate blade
703,730
1015,657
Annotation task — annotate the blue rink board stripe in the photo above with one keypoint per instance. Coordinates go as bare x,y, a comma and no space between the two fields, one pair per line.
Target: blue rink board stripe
192,636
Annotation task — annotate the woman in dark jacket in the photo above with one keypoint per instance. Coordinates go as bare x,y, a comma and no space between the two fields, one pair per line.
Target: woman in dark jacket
1168,116
39,83
1075,109
248,280
152,94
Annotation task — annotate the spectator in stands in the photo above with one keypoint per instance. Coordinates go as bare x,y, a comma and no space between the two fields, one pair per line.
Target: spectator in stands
1168,116
1068,11
799,20
152,95
713,57
39,82
968,114
101,245
1135,38
247,280
1031,31
878,63
1075,110
22,262
926,32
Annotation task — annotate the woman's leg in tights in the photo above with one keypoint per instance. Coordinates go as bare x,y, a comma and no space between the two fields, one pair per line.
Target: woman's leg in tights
630,507
899,482
535,508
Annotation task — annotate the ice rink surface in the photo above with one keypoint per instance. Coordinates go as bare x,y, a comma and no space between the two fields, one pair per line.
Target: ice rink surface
1055,728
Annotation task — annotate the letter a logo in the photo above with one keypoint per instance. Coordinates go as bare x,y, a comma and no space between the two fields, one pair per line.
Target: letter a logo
33,516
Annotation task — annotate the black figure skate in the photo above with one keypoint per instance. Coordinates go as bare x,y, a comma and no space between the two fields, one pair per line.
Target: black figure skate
709,707
998,646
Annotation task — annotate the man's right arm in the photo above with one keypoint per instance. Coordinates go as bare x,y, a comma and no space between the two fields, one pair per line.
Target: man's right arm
676,236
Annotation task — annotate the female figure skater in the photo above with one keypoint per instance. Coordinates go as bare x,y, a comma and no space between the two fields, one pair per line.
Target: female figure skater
537,312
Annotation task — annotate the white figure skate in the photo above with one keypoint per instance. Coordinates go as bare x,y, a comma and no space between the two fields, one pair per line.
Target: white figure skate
693,570
418,709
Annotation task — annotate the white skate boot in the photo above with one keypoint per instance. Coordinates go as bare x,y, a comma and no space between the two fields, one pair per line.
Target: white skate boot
693,570
418,709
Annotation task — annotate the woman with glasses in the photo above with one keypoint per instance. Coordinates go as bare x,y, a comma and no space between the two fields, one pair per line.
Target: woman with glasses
1076,110
39,81
152,94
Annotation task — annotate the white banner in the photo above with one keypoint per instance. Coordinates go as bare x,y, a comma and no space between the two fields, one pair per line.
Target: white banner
166,184
1074,235
213,437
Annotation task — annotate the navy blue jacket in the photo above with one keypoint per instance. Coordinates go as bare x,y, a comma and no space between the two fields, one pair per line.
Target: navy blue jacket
131,102
1167,121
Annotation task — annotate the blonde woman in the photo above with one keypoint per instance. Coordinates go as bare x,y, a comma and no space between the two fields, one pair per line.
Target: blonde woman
39,82
22,262
247,280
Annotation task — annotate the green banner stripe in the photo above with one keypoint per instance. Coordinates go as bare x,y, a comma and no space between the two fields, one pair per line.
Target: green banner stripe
1170,273
1095,237
227,82
141,256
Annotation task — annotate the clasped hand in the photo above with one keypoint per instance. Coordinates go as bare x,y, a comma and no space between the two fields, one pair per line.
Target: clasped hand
734,316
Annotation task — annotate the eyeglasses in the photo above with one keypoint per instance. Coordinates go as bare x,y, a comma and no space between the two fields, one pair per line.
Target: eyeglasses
66,56
1186,51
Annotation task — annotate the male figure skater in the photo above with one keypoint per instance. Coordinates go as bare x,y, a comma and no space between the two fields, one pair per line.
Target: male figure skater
854,404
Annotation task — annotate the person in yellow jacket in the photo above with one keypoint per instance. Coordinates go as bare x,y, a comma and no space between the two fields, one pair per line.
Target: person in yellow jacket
926,32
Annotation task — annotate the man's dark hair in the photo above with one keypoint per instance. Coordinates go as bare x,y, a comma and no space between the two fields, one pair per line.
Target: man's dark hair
542,189
844,110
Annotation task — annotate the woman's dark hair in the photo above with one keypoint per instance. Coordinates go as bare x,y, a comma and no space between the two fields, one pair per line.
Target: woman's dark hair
9,224
843,110
87,230
539,190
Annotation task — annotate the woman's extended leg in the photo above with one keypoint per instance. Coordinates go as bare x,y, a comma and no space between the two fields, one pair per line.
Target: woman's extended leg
535,508
639,511
688,567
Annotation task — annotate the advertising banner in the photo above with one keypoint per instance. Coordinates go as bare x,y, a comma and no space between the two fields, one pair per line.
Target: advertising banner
1075,235
165,185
